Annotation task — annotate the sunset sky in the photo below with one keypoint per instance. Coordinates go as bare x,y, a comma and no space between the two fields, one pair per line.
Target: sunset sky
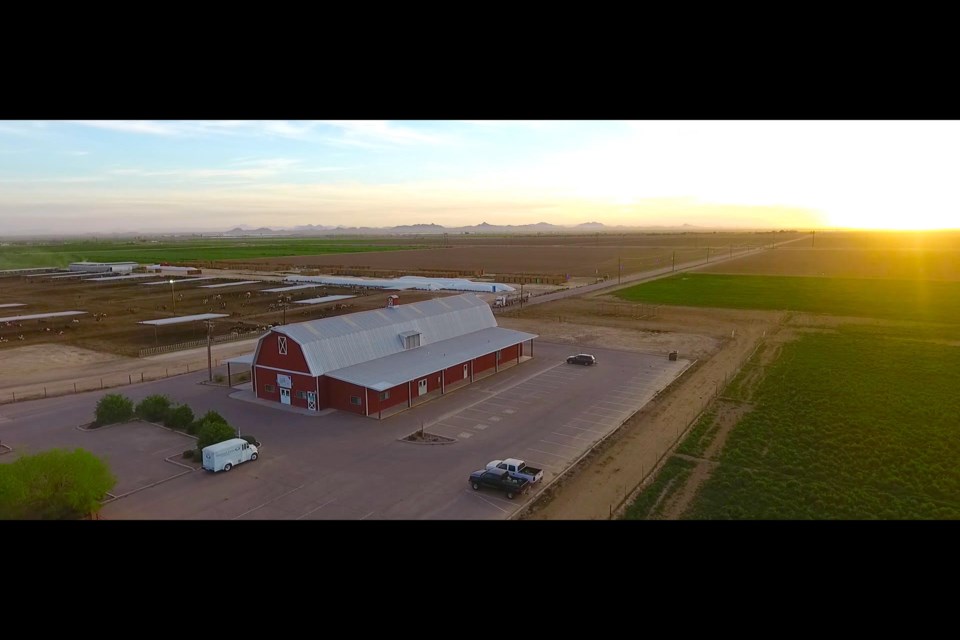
120,176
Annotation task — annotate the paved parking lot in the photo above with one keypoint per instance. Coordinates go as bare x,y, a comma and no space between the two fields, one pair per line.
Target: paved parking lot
344,466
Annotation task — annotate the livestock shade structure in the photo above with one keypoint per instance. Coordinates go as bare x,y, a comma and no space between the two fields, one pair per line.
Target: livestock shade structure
181,319
378,362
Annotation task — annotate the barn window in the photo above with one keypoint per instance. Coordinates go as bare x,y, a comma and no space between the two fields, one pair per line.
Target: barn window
282,345
411,339
384,395
302,395
269,388
355,400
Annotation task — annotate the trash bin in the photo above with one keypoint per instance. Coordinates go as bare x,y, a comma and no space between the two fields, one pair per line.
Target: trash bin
673,355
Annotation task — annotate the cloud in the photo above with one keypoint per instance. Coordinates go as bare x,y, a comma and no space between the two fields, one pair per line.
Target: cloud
370,133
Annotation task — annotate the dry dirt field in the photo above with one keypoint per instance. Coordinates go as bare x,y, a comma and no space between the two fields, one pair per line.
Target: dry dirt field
578,256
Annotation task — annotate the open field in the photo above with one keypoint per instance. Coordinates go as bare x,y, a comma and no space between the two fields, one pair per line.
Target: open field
22,255
843,429
123,304
883,240
896,263
929,301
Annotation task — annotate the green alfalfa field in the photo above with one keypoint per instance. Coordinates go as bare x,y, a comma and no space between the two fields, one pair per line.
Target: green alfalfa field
858,423
918,300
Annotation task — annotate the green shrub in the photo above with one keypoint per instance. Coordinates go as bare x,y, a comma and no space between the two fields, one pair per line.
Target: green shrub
112,408
179,417
252,440
214,432
194,427
211,416
218,378
153,408
241,377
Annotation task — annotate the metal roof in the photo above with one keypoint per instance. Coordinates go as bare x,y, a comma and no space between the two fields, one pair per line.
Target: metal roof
116,278
179,319
294,287
246,358
41,316
147,284
321,300
329,344
12,304
405,366
229,284
406,282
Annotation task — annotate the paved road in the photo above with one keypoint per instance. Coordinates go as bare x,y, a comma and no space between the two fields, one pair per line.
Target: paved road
653,274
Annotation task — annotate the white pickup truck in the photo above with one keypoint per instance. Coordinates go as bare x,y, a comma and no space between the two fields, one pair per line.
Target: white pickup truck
517,469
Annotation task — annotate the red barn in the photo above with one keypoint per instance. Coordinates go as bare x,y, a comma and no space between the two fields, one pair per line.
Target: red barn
381,361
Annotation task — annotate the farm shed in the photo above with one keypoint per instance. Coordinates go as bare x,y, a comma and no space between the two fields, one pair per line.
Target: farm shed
104,267
378,362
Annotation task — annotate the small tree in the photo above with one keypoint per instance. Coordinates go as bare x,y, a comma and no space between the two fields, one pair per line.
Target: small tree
153,408
179,417
112,408
214,432
53,485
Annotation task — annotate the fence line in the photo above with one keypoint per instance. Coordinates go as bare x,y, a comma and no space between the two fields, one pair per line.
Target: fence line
617,508
193,344
110,382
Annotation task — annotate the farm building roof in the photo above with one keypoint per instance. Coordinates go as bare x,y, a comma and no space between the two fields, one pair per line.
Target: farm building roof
294,287
181,280
390,371
407,282
179,319
12,304
229,284
321,300
42,316
116,278
246,358
330,344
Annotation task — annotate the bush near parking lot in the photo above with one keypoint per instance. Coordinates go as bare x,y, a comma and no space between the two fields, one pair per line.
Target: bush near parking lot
214,432
179,417
209,416
53,485
252,440
113,408
153,408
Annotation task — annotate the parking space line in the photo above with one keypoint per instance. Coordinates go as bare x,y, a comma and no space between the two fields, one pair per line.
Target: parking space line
267,502
560,444
570,426
494,418
477,494
589,421
567,435
464,435
548,453
320,507
368,515
481,427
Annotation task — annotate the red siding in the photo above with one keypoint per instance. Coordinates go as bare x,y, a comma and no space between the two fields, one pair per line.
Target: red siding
299,382
398,395
455,373
339,392
509,353
483,363
269,354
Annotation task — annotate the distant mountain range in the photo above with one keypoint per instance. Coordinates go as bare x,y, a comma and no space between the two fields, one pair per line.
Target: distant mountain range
431,228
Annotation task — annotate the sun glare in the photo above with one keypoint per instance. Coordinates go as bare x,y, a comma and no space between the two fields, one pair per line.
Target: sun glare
896,220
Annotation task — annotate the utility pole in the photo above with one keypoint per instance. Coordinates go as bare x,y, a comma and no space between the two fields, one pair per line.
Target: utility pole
619,269
521,298
173,298
813,238
209,359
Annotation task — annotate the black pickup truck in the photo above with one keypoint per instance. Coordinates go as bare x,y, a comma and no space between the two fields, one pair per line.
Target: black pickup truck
499,479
